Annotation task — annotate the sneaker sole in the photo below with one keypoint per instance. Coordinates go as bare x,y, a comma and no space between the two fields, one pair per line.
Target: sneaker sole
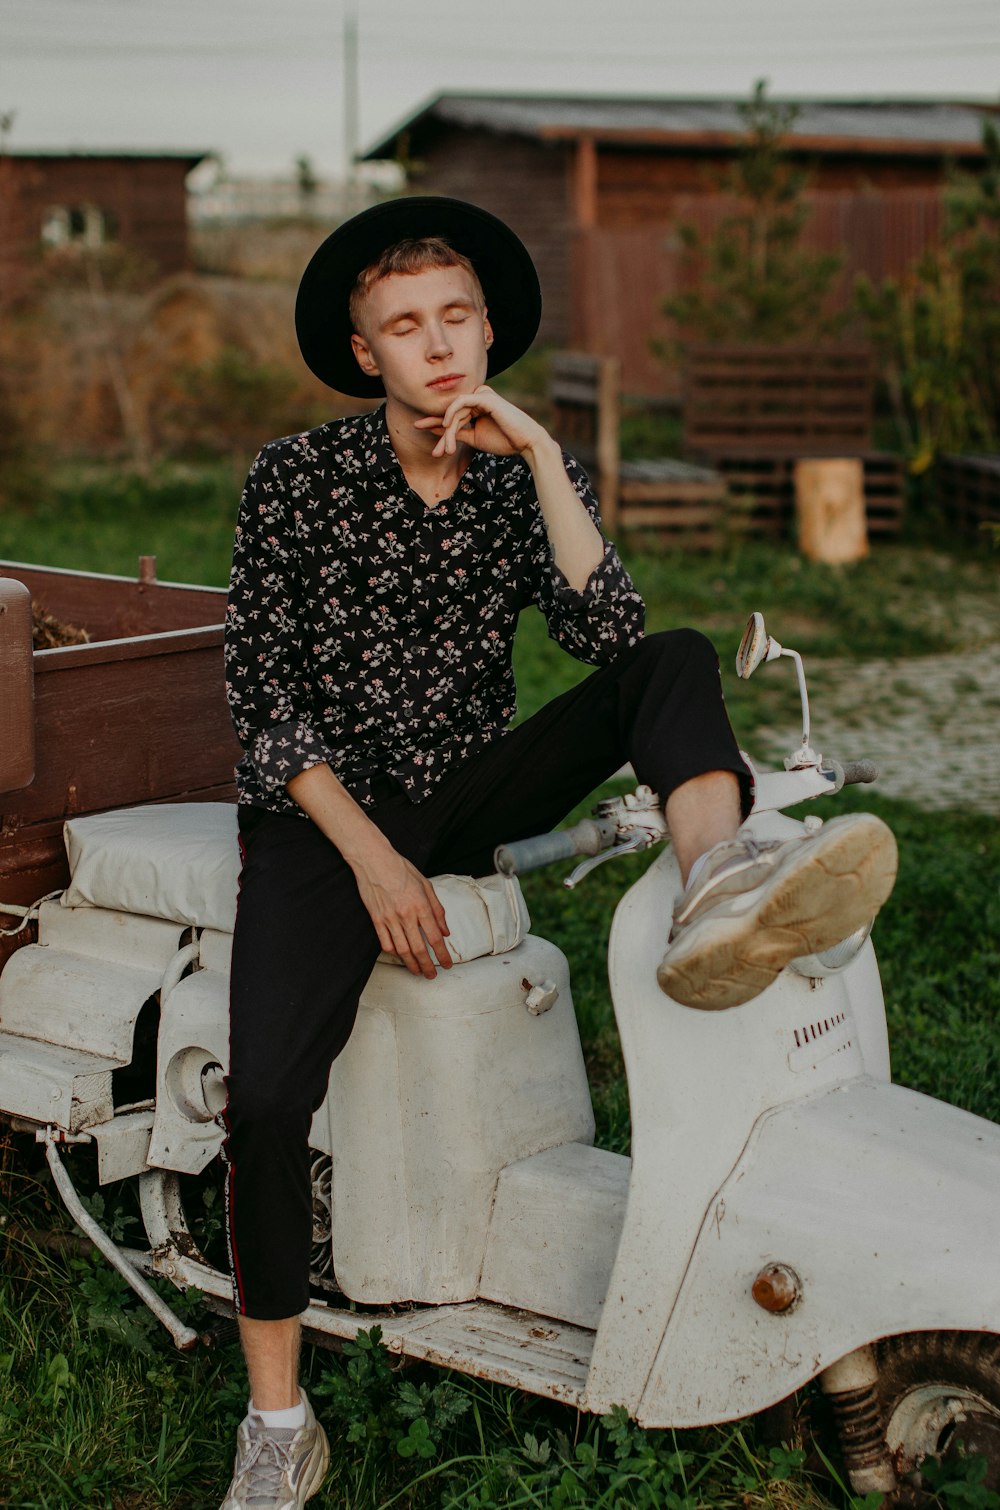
806,908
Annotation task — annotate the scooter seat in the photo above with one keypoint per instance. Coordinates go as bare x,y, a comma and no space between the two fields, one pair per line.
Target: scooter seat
180,861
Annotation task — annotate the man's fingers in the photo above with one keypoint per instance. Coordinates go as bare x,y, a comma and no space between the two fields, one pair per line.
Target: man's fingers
436,936
414,956
409,919
455,423
418,949
436,908
414,936
440,948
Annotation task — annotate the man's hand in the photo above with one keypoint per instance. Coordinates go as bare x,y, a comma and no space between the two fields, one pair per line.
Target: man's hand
487,422
404,907
400,901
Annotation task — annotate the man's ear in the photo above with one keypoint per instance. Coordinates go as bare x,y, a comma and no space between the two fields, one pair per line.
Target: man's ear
363,353
487,329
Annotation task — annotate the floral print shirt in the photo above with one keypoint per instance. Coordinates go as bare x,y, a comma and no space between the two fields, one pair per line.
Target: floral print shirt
370,631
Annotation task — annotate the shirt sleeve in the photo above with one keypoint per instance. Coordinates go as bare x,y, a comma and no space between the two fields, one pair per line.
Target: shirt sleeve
265,616
604,617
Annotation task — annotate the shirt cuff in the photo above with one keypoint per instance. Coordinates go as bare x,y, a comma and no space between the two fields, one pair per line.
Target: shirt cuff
604,584
283,751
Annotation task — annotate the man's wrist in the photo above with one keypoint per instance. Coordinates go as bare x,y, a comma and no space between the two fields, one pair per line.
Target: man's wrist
364,845
541,447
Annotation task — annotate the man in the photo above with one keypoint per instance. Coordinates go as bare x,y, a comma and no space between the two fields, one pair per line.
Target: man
379,568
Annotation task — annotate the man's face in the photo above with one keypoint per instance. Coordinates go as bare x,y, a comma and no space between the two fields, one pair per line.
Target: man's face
426,336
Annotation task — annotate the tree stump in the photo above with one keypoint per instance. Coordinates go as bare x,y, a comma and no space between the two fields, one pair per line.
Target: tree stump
830,509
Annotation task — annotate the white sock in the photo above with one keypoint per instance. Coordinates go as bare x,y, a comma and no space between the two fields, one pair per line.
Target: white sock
277,1420
695,870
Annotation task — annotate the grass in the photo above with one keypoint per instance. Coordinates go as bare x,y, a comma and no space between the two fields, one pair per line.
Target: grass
95,1407
903,600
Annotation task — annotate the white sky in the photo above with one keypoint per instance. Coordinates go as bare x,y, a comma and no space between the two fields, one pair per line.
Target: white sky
260,80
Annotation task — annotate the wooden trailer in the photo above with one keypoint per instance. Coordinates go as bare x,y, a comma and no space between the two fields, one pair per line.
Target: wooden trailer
136,715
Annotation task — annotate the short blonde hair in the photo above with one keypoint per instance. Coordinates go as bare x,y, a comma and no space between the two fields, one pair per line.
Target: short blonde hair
409,256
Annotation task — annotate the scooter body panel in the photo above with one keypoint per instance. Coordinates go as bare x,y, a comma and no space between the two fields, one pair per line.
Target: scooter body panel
873,1195
698,1082
443,1084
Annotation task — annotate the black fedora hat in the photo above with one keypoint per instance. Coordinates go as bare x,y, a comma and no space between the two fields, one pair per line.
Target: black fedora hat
505,270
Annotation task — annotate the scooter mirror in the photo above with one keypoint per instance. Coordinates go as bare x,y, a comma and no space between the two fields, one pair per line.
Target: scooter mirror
756,646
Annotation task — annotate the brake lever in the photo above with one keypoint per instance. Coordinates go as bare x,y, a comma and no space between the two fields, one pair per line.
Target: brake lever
640,839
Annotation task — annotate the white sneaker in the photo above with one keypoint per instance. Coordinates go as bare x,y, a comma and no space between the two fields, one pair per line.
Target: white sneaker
757,904
278,1468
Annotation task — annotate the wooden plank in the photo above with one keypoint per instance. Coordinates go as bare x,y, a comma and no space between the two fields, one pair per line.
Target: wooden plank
33,858
112,607
111,732
682,492
968,495
790,399
683,516
622,270
17,721
585,182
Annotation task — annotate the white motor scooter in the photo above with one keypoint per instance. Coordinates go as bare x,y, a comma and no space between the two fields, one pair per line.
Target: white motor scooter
786,1214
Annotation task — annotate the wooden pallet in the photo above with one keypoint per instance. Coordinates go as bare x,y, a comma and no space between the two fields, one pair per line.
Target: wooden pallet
762,493
811,400
682,503
968,495
748,489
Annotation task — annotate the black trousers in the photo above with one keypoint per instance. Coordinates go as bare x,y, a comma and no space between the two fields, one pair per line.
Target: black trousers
304,945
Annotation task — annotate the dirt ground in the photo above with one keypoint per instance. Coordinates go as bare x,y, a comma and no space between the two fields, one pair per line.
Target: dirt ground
932,723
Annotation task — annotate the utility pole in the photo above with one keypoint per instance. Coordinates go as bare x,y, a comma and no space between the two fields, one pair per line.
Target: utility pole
350,102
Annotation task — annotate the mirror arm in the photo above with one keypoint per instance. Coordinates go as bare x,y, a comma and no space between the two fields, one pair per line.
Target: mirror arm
805,754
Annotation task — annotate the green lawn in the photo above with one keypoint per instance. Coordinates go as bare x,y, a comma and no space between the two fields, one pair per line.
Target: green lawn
95,1407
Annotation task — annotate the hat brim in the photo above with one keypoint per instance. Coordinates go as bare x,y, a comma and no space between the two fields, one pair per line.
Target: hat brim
500,258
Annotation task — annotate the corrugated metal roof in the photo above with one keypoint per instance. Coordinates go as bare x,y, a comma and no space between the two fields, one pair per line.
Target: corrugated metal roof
909,122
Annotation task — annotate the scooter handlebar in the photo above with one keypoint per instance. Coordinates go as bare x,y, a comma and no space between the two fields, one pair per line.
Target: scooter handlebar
586,838
859,772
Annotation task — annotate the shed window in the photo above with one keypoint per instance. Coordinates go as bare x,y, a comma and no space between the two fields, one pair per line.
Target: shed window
78,225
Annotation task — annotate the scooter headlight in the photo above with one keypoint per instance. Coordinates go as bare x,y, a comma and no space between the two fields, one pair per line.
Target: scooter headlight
832,961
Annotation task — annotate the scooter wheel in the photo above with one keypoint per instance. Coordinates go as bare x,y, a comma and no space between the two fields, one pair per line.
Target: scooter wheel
940,1398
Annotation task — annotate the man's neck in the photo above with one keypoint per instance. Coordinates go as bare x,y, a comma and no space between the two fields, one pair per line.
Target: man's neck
431,477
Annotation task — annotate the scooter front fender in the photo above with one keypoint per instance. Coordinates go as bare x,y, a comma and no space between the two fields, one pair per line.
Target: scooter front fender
883,1203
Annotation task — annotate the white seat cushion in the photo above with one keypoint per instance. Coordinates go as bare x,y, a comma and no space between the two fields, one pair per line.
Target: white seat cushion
175,860
180,861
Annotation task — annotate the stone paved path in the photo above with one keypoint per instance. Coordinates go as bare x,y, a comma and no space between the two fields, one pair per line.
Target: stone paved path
932,723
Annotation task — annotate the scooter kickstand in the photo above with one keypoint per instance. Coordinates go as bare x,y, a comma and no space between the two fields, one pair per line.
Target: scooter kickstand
184,1336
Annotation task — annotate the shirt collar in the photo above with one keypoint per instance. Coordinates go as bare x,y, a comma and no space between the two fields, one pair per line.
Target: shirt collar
379,453
381,456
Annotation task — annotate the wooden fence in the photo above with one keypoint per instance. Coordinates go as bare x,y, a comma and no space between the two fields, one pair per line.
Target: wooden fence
620,277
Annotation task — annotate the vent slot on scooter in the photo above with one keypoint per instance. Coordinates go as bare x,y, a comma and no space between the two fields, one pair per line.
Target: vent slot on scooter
822,1039
818,1029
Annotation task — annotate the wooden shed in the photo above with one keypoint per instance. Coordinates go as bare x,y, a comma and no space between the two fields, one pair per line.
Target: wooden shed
596,186
52,201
